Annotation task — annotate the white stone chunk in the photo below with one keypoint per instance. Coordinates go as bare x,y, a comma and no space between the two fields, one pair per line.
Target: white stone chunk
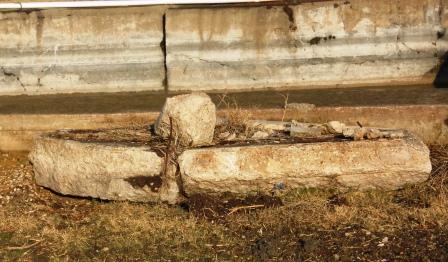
193,118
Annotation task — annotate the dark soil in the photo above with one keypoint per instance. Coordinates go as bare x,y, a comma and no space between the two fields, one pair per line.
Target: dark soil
217,208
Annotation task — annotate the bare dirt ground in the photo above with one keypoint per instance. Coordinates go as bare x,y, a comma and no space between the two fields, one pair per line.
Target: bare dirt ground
306,225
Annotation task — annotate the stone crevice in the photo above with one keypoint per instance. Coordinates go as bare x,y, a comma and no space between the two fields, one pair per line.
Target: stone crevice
163,46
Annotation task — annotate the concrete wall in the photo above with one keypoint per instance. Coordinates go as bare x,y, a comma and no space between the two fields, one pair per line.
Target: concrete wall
329,43
333,43
85,50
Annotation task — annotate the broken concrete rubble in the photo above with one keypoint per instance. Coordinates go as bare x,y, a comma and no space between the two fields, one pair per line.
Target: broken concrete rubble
373,133
268,125
335,127
359,133
306,129
301,129
192,116
260,135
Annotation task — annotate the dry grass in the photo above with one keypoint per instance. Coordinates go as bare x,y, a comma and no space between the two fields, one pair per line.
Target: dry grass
311,225
235,118
439,178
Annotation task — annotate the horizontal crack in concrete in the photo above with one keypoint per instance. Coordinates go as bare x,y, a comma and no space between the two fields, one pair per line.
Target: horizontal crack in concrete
207,61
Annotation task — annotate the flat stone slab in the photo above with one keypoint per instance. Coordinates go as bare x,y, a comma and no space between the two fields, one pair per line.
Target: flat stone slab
385,164
99,170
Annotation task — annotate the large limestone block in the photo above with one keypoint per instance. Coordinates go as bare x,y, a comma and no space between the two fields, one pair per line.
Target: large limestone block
114,172
193,118
369,164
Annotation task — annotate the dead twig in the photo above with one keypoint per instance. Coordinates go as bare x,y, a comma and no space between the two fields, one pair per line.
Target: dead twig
223,100
24,247
285,106
169,149
235,209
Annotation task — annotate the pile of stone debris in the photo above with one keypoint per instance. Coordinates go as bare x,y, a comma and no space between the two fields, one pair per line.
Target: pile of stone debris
301,129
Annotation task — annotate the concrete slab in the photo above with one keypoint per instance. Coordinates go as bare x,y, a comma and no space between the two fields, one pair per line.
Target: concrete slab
385,164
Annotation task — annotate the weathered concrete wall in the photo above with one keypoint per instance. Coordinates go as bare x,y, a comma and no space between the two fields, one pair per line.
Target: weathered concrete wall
328,43
442,44
63,51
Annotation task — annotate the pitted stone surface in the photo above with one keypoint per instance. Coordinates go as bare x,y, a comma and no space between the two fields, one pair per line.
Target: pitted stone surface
193,119
102,171
384,164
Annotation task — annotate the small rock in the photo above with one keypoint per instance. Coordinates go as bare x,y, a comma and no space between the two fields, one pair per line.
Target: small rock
193,118
268,125
348,132
335,127
231,137
224,135
305,129
397,134
393,134
386,134
359,133
373,133
260,135
279,186
241,137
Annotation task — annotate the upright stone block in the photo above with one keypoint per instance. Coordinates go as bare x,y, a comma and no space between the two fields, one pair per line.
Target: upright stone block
190,118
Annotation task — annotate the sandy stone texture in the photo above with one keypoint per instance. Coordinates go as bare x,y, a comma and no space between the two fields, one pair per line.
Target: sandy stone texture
193,118
104,171
385,164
